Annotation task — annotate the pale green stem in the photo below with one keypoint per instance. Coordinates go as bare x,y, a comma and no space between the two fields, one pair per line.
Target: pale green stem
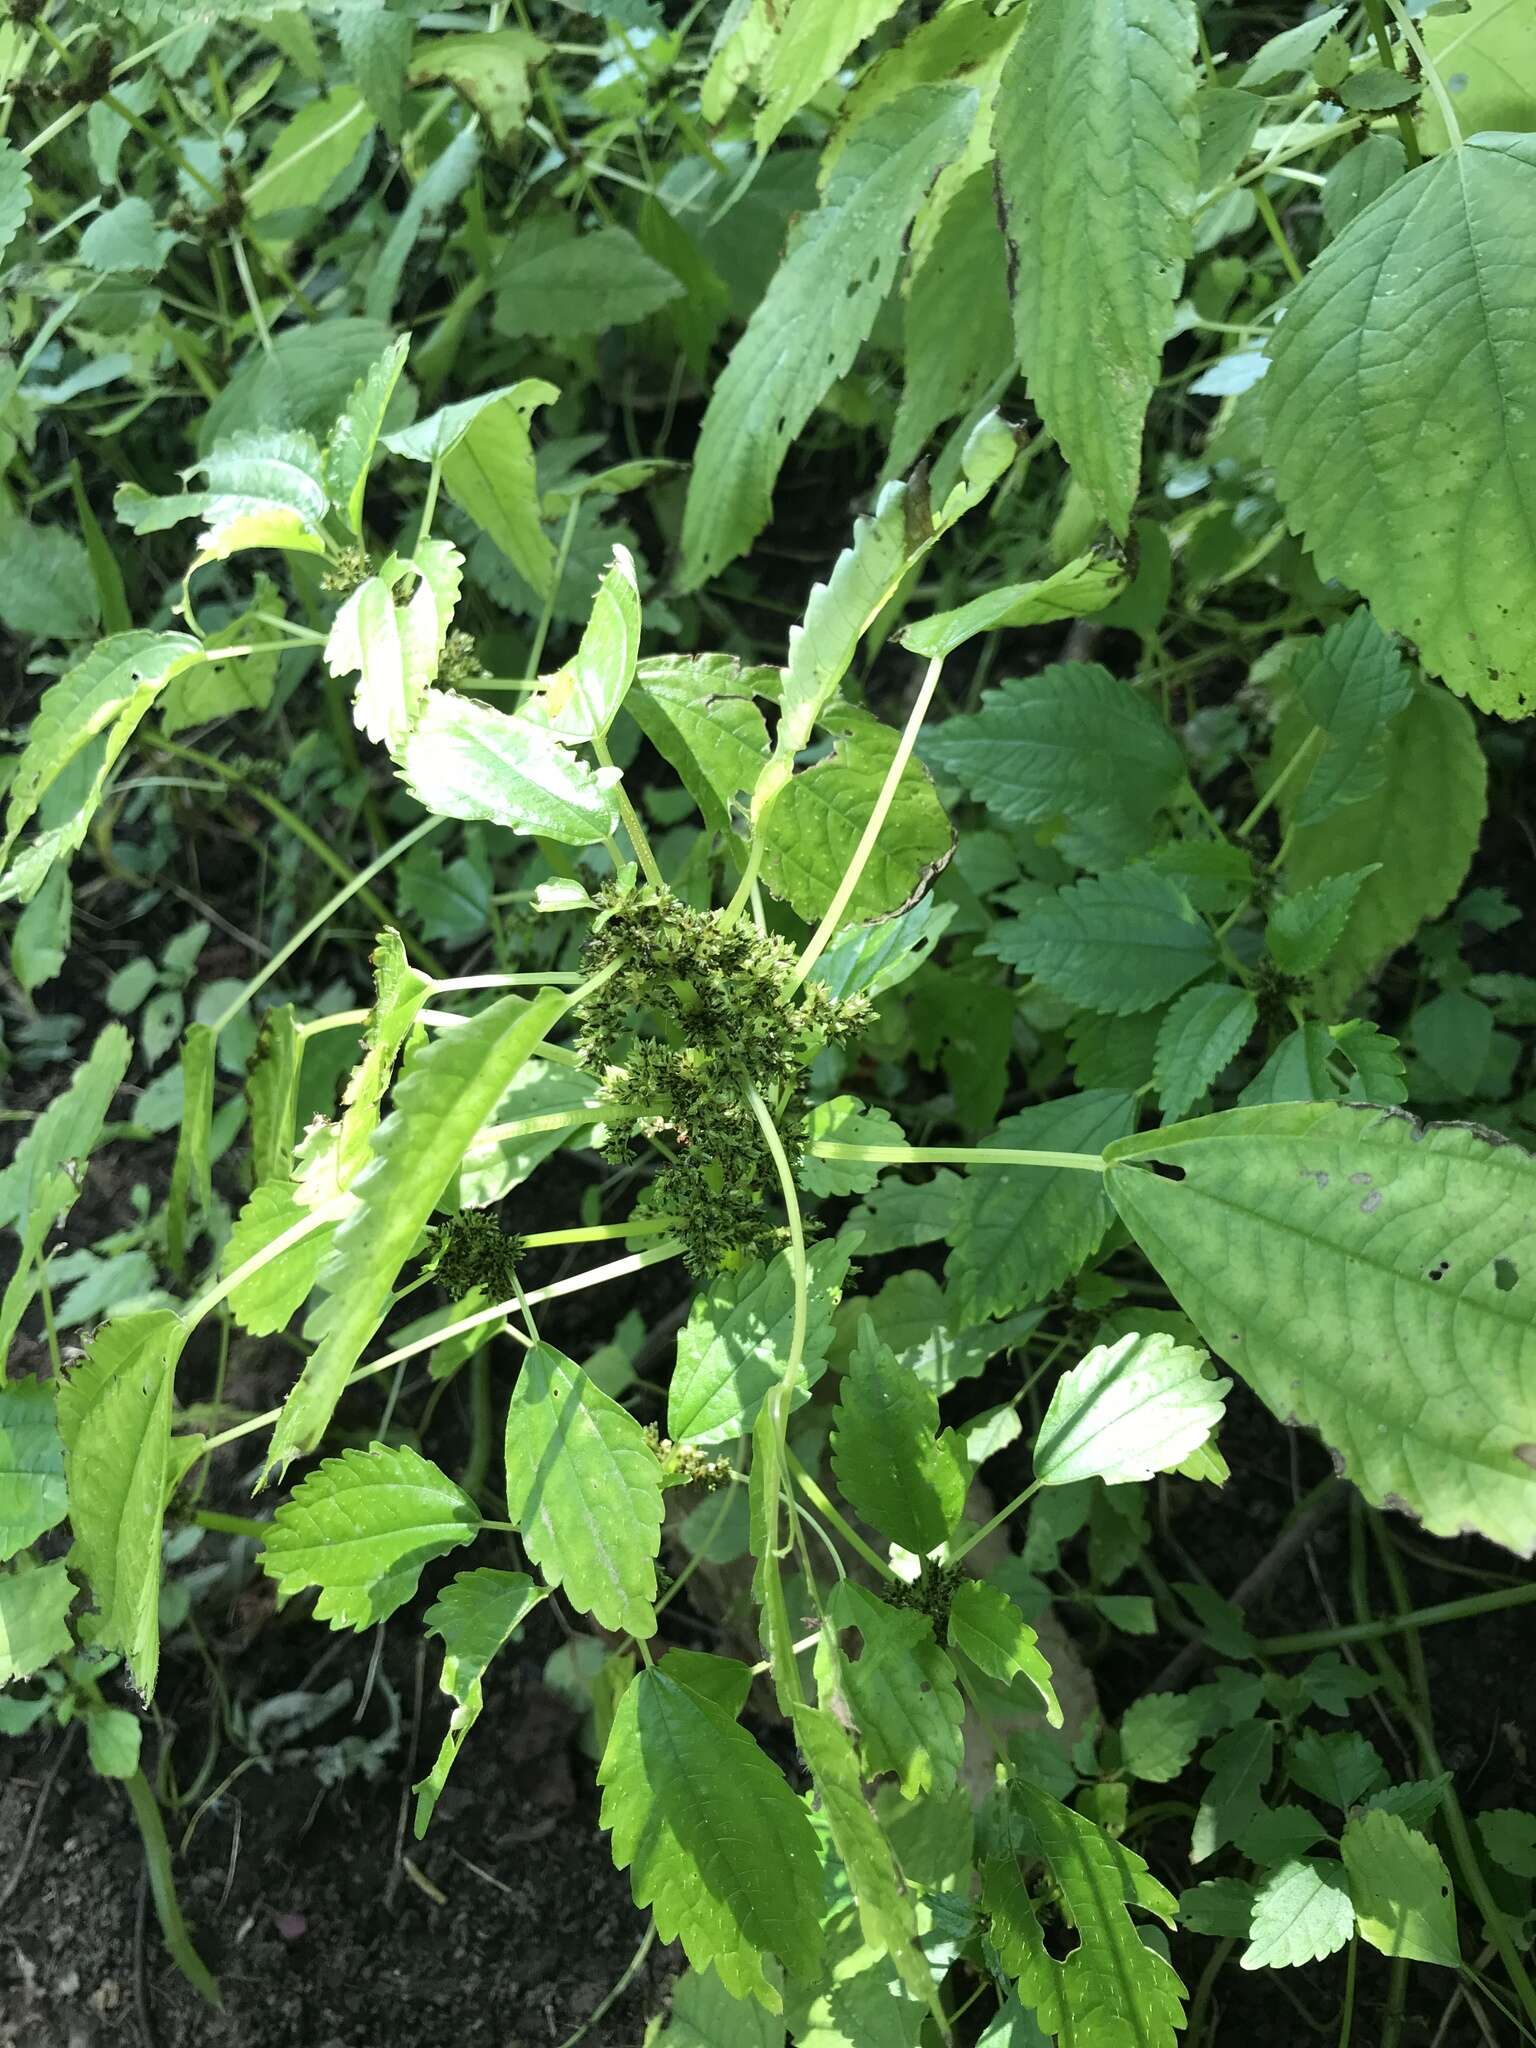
544,980
1415,43
957,1155
162,1888
874,824
316,1219
631,820
1304,755
1003,1514
602,1233
252,298
823,1506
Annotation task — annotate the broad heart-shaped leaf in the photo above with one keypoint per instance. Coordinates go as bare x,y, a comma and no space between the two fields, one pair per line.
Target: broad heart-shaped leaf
1420,829
1301,1913
1401,1889
581,700
350,445
1019,1231
584,1489
1201,1035
1115,943
262,490
1073,742
985,1626
1131,1409
487,467
891,1464
1401,413
732,1349
475,1614
819,307
105,695
465,759
32,1494
714,1841
361,1527
392,645
1097,149
447,1090
1074,591
115,1419
699,712
900,1692
1368,1276
34,1619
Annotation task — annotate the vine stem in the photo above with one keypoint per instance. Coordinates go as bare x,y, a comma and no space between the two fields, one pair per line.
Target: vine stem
958,1155
874,824
1397,1624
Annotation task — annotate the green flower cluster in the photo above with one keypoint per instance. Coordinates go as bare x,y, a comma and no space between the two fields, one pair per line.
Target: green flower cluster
697,1014
685,1464
472,1250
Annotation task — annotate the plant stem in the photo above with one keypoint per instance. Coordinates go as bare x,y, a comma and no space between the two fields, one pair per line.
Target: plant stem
1303,754
1003,1514
817,944
1347,2017
1422,1617
1435,82
1376,15
162,1889
631,819
229,1525
958,1155
209,1299
825,1508
541,980
1271,220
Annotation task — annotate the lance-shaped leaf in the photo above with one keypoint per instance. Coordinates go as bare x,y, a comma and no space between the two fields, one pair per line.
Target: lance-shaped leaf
584,1489
581,700
1074,591
1131,1409
1115,943
818,309
361,1527
465,759
1351,684
985,1626
191,1190
15,193
475,1615
34,1619
893,1467
448,1089
32,1494
715,1842
272,1090
115,1419
486,455
350,445
1097,144
1301,1914
1201,1035
262,489
1402,1890
1400,415
1367,1276
393,647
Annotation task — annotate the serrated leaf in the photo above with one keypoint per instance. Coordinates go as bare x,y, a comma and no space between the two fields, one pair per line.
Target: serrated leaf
486,455
1340,1768
1302,930
950,365
46,590
262,489
1509,1836
985,1626
715,1842
1401,1889
1388,370
698,712
1367,1276
361,1527
1115,943
901,1689
846,1120
1158,1735
350,446
581,700
1131,1409
1221,1906
1351,683
809,45
34,1620
818,308
1240,1763
584,1489
892,1466
579,285
1301,1914
190,1194
125,237
1074,591
474,1615
15,193
393,644
313,148
1291,50
490,70
465,759
1421,829
1097,146
1359,177
1198,1039
705,2015
114,1412
1073,742
268,1299
1018,1232
447,1090
32,1493
732,1349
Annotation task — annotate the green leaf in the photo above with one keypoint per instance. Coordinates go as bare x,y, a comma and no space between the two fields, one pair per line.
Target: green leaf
1486,60
486,455
1509,1836
41,934
376,45
393,647
1073,742
1340,1768
891,1464
1301,1914
1131,1409
1351,683
105,695
732,1349
350,446
125,237
704,2015
271,1090
264,489
715,1842
15,193
810,45
447,1090
490,71
1290,51
811,834
950,365
1075,591
32,1495
191,1188
582,285
34,1620
584,1489
475,1615
115,1419
1158,1736
869,959
46,590
1387,371
361,1527
270,1298
1420,829
1401,1889
212,688
1198,1039
316,145
901,1691
399,993
1366,1276
581,700
1240,1763
113,1739
819,306
1018,1232
1359,177
432,195
1302,930
1097,148
1115,943
985,1626
845,1120
698,712
465,759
